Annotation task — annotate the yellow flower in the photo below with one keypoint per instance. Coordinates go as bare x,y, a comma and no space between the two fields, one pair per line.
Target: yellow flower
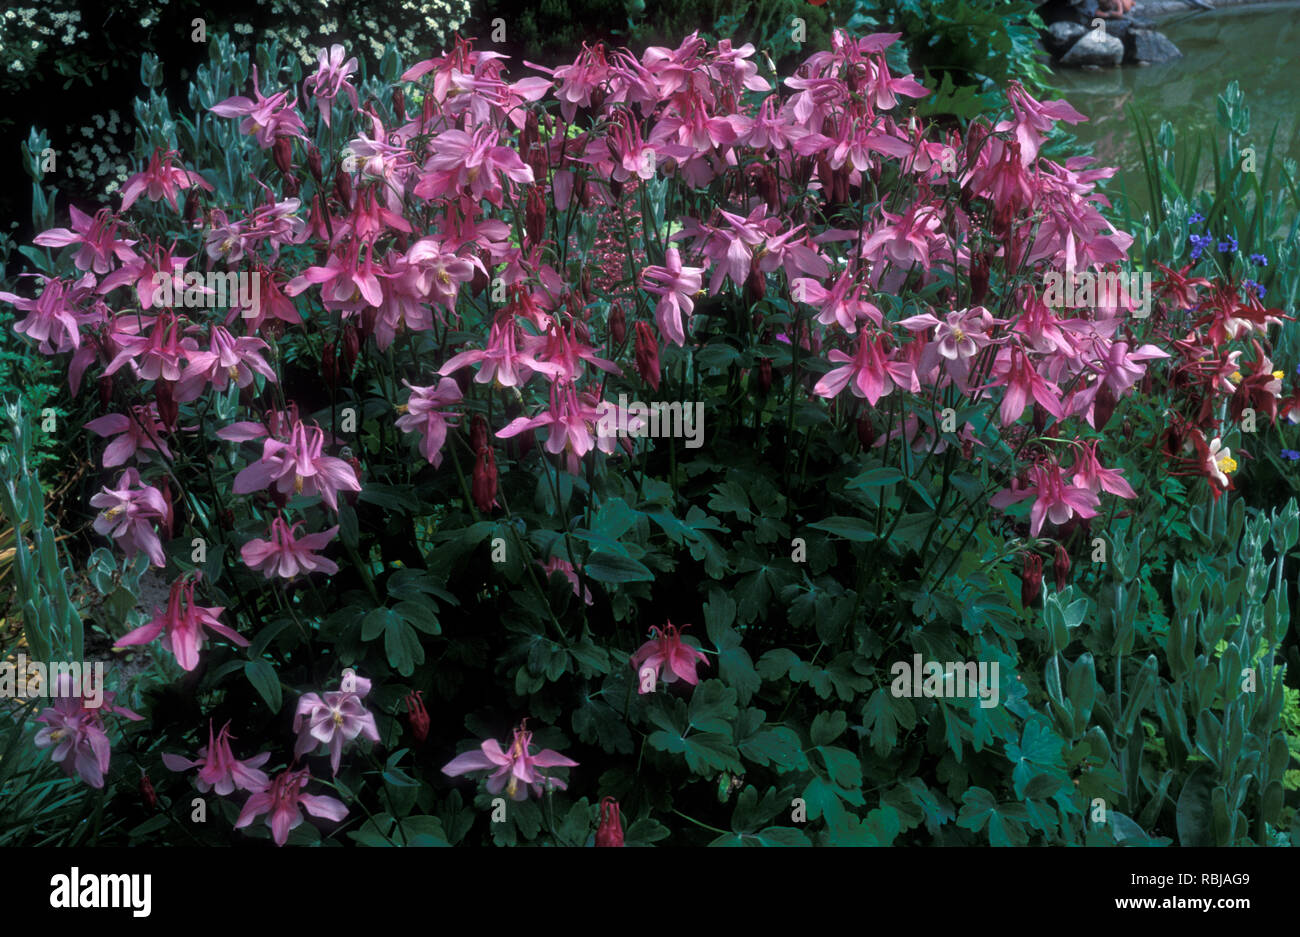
1227,465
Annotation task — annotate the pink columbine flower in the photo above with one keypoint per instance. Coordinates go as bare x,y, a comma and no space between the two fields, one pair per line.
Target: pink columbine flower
134,433
502,360
1033,119
870,373
97,237
331,77
227,359
426,413
161,180
566,569
842,304
181,626
266,118
334,719
219,769
1088,473
76,732
285,556
676,286
473,162
55,314
282,800
128,514
668,657
510,768
1054,499
299,466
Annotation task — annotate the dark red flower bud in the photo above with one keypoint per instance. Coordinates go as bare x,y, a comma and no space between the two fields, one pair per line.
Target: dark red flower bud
968,449
1127,429
329,367
1031,580
826,176
1061,567
313,164
484,487
248,395
647,355
866,431
582,332
169,519
1040,419
418,715
343,186
351,348
755,283
106,390
281,498
979,279
291,186
1103,405
167,407
191,204
617,324
765,374
768,189
610,830
227,520
478,432
535,216
282,153
148,794
399,105
584,283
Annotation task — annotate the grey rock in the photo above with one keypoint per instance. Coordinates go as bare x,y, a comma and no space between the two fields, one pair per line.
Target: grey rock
1094,49
1060,36
1149,46
1121,29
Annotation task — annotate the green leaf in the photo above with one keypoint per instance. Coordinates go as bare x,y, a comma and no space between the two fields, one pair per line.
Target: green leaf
850,528
266,681
1195,814
827,727
604,566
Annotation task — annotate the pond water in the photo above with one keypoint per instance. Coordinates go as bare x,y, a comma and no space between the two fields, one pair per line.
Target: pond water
1257,46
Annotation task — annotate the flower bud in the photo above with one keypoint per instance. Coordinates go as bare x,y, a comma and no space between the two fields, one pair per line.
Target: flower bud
765,374
282,153
617,324
343,186
768,189
399,105
535,216
227,518
866,431
979,279
313,163
191,204
1031,580
1103,405
418,715
1061,567
106,390
329,367
755,284
291,186
167,407
148,794
478,432
168,522
647,355
610,830
351,348
484,487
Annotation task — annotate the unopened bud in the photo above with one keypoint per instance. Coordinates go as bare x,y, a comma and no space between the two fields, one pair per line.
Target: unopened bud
282,153
617,324
1031,580
313,164
484,487
647,355
1061,567
610,830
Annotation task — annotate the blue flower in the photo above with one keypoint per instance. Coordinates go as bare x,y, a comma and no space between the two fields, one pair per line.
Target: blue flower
1290,454
1229,245
1259,260
1196,218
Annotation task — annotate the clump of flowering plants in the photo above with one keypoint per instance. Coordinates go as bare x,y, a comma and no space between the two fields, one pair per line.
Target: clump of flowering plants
541,362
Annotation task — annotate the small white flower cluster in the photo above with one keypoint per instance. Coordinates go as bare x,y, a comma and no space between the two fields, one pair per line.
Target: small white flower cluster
103,166
419,30
26,31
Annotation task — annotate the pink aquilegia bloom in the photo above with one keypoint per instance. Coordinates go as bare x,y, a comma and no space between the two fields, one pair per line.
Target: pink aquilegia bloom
870,373
676,286
566,569
331,76
97,237
299,466
283,799
181,626
219,769
667,657
1088,473
334,718
55,317
512,767
75,731
265,118
134,433
425,413
1054,499
285,556
160,180
129,511
502,360
227,359
1033,119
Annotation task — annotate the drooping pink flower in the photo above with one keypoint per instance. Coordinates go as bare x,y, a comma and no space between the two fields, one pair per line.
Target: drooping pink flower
1014,370
1033,119
285,556
566,569
1054,500
509,769
843,304
54,318
284,801
97,237
503,359
160,179
473,163
299,466
134,433
159,352
265,118
227,359
676,285
219,769
870,372
669,657
1089,473
75,730
332,75
128,516
425,412
334,718
181,626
